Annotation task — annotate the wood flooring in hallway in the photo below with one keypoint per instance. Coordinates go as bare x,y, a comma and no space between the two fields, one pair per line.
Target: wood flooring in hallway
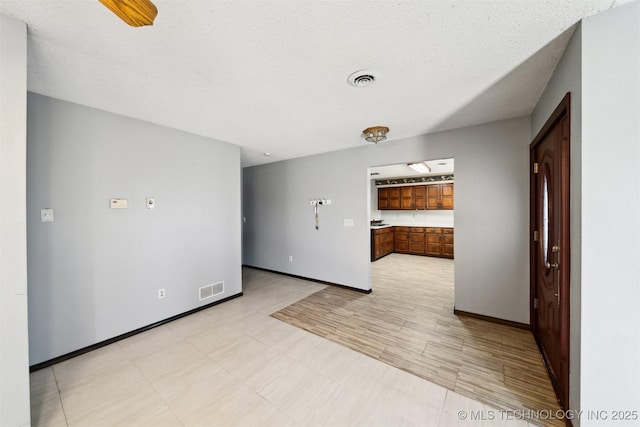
408,322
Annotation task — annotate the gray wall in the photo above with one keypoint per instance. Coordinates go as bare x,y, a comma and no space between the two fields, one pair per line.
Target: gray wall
567,78
601,69
14,369
94,272
491,215
610,368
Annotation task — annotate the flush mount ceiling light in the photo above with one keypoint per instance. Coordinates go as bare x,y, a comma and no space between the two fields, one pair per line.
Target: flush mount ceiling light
136,13
375,134
420,167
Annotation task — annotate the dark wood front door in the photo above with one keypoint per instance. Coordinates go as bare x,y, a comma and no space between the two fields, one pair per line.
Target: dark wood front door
550,246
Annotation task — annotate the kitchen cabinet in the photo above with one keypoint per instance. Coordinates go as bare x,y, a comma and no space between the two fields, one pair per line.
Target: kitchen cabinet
429,241
447,246
416,241
394,198
406,198
381,242
383,198
401,240
419,197
439,196
409,197
439,242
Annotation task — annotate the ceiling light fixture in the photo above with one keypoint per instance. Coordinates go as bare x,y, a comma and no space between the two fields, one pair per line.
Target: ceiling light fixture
375,134
420,167
136,13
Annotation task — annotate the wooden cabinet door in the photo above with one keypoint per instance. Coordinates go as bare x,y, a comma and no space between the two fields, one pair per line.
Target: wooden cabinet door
383,198
433,246
387,242
394,198
377,251
401,240
416,243
433,196
447,244
419,197
381,242
446,196
406,194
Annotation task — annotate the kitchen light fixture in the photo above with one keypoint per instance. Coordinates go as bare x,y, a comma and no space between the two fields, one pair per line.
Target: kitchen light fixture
420,167
375,134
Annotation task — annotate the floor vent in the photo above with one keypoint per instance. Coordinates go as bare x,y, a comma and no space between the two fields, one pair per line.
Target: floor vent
211,290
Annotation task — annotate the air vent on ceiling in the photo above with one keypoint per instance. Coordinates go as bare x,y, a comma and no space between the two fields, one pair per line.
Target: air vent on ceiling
362,78
211,290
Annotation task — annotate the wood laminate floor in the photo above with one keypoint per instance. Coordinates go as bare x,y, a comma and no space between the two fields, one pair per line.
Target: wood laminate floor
408,322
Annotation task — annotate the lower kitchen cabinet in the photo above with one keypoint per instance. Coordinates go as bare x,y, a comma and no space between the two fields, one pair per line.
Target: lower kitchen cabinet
434,241
381,242
416,240
447,245
439,242
429,241
401,239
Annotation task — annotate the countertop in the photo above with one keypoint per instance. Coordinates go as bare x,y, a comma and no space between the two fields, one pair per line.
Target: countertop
376,227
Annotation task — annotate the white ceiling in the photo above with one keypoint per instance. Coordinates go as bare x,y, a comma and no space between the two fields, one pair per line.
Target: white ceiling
271,76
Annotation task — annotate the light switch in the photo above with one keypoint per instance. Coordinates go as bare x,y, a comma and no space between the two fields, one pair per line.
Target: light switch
151,202
46,215
119,204
348,222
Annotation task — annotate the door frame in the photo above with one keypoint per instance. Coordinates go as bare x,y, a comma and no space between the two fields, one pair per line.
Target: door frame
561,111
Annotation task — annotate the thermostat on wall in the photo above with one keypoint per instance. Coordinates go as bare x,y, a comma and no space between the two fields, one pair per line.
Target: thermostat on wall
119,204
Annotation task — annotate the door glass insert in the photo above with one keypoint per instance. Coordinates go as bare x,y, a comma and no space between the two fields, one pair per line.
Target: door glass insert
545,217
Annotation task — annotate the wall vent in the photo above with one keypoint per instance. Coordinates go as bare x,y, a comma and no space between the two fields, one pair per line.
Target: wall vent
211,290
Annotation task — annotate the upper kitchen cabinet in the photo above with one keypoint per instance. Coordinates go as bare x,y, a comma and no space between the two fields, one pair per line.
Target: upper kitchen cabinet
430,197
407,198
394,198
439,196
383,198
389,198
419,197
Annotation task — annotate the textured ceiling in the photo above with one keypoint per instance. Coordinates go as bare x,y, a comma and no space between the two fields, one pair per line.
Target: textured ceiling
271,76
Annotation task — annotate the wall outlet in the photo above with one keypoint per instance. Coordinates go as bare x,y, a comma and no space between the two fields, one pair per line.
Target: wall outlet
161,293
290,258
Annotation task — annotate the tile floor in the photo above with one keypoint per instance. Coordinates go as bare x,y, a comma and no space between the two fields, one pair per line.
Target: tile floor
233,364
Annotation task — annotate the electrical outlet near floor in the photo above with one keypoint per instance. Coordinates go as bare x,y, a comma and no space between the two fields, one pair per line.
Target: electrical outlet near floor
161,293
290,258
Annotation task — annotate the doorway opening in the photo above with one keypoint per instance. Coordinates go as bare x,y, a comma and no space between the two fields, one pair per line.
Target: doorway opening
411,209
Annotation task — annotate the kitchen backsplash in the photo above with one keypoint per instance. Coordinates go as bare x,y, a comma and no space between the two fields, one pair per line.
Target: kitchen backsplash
435,218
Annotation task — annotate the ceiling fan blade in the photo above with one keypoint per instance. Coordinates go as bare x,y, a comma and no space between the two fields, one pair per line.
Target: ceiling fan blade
134,12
